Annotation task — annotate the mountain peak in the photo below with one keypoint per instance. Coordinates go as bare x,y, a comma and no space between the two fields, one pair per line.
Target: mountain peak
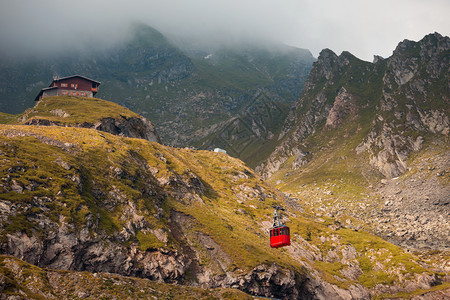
327,54
431,41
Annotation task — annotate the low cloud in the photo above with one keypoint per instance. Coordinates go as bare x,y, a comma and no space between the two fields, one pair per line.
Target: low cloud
364,28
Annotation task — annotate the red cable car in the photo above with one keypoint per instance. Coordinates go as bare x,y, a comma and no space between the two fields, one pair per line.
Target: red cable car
279,233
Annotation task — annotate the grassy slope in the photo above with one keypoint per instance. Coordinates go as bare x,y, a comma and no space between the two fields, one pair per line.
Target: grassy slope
240,235
78,109
7,118
96,155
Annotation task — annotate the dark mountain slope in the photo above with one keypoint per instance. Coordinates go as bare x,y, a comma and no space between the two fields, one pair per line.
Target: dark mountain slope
146,53
193,98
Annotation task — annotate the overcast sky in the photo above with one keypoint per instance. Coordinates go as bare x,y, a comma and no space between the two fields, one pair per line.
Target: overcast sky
363,27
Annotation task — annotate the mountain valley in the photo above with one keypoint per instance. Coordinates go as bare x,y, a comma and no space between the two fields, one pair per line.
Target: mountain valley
357,153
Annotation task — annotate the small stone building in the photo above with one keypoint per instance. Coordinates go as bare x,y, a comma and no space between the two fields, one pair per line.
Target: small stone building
75,85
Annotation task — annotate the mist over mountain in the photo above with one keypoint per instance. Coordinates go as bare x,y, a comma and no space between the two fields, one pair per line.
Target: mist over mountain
232,96
363,28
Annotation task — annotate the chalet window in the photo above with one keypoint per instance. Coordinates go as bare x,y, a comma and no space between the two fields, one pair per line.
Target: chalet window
74,85
63,84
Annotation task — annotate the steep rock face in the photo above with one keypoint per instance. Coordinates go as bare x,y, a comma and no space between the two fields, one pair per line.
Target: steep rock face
407,92
344,105
315,106
415,98
133,127
20,280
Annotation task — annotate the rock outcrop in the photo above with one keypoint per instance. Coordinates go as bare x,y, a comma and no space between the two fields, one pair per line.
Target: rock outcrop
134,127
20,280
98,114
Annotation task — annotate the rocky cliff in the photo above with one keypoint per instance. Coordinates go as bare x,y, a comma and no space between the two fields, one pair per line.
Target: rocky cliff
20,280
370,141
403,98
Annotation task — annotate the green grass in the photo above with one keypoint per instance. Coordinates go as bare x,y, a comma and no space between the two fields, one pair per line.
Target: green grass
7,118
78,109
148,241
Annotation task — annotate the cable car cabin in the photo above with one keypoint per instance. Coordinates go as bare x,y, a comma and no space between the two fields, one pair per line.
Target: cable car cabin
280,236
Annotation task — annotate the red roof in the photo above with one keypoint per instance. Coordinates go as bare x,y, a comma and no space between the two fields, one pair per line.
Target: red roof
68,77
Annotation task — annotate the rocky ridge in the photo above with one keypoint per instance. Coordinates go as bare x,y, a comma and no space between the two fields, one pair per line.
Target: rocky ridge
407,93
132,127
358,143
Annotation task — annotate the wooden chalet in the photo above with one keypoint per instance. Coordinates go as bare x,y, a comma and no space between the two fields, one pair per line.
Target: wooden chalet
75,85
